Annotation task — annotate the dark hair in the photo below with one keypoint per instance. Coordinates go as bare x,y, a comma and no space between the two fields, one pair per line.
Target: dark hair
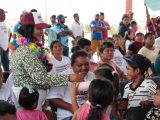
27,100
102,13
75,14
75,49
26,31
83,42
105,45
127,33
54,42
116,35
33,10
110,39
76,55
100,96
106,71
6,108
133,22
147,34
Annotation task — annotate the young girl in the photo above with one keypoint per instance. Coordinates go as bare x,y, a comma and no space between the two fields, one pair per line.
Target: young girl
154,113
60,62
100,96
129,36
28,100
104,71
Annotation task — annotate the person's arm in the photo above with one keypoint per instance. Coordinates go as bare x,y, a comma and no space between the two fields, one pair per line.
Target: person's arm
74,91
61,104
38,72
147,14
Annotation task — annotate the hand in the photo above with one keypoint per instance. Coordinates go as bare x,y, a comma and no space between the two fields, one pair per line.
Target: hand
122,104
144,103
74,88
76,77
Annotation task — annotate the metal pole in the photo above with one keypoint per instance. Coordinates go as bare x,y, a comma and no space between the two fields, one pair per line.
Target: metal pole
128,5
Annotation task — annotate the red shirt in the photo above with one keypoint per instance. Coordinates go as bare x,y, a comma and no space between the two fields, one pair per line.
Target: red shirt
135,47
105,32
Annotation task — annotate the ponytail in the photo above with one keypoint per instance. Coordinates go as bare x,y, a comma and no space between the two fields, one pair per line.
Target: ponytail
95,113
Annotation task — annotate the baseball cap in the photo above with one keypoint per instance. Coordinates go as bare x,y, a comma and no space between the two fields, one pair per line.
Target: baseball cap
2,11
61,16
139,32
34,18
139,61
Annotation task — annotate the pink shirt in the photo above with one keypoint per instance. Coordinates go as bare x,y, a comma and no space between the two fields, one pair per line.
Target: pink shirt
31,115
85,112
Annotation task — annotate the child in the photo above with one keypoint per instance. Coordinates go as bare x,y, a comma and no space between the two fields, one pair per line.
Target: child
133,26
140,90
104,71
28,99
60,62
129,36
100,96
154,113
85,44
7,111
149,50
106,54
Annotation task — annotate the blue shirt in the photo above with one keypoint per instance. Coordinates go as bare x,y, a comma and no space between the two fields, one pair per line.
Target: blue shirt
96,35
51,35
16,27
59,28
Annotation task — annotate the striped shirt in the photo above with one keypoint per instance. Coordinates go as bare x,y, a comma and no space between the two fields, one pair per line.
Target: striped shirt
144,92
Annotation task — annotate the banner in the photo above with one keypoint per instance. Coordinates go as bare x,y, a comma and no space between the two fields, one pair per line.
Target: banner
153,4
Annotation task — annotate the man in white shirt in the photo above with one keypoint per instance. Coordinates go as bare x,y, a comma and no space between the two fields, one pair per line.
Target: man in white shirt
60,96
4,40
77,28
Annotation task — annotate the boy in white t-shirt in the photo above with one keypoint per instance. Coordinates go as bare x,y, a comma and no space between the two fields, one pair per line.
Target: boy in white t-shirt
60,63
60,96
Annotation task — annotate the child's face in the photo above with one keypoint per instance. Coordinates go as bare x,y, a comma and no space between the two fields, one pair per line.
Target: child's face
131,73
131,35
156,98
116,41
125,21
150,40
57,49
88,49
107,54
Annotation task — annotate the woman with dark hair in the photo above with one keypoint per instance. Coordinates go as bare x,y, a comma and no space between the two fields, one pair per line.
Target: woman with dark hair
29,62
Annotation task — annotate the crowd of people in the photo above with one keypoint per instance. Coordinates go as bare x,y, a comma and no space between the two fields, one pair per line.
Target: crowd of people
39,81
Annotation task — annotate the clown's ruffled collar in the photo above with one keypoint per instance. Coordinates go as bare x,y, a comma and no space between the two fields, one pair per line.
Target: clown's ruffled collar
35,46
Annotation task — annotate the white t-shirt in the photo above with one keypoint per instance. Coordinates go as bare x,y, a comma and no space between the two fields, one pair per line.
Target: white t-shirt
4,36
10,82
63,93
5,93
144,92
119,61
127,43
77,29
150,54
59,66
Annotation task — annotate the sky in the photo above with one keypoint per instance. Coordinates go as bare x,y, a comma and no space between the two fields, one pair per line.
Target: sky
113,9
